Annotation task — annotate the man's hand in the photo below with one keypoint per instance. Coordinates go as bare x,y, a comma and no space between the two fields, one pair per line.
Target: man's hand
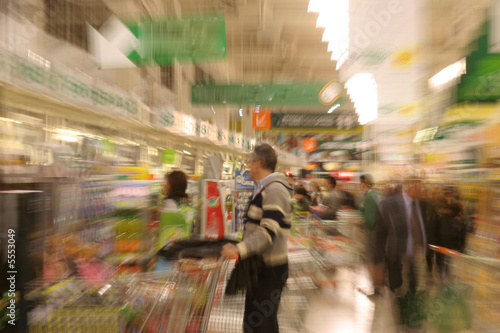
230,251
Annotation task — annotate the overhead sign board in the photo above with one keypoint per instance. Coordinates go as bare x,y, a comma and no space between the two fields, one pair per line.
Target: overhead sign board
298,120
69,86
265,94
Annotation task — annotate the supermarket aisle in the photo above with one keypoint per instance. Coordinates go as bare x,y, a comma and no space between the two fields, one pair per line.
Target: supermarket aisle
344,309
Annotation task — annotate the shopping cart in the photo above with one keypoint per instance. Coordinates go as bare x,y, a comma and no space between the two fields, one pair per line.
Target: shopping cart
178,301
470,296
74,305
228,311
173,302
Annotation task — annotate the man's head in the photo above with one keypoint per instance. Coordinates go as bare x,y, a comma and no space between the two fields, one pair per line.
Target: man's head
262,161
290,179
413,187
366,182
330,182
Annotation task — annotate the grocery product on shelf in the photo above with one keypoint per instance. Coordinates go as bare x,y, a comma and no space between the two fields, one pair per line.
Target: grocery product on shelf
241,200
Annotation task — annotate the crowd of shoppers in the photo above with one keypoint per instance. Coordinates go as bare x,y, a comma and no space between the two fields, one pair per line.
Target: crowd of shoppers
399,221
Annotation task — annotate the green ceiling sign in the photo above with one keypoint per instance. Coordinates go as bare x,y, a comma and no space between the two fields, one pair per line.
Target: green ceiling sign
265,94
482,81
196,39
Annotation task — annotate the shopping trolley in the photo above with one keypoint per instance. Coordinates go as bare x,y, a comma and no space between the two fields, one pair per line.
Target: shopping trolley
470,296
178,301
227,314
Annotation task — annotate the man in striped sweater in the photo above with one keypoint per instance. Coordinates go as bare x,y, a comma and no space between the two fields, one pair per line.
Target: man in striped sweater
267,227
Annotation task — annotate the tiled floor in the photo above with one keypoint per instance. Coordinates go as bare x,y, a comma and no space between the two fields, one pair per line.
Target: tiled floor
340,309
345,309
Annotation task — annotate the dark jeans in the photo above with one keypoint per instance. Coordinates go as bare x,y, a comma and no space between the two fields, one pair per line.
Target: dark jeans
261,306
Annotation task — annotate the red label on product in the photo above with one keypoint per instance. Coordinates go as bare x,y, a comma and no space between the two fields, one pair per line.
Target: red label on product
214,228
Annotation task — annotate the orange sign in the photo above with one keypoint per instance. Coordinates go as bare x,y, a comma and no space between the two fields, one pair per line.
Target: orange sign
309,145
262,120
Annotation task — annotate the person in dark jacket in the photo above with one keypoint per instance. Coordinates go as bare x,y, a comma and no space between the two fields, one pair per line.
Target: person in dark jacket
371,218
401,239
429,204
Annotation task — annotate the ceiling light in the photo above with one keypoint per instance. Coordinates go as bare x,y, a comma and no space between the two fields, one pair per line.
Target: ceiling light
68,132
334,17
241,112
315,6
186,152
336,106
212,109
448,75
10,120
362,90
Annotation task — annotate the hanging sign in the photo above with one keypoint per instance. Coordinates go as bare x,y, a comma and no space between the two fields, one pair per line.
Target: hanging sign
247,144
338,145
298,120
163,41
212,133
222,136
238,140
261,120
166,118
231,139
309,144
68,85
188,125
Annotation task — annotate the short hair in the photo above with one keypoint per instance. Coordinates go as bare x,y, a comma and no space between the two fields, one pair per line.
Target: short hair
331,180
290,176
266,154
301,190
366,179
178,183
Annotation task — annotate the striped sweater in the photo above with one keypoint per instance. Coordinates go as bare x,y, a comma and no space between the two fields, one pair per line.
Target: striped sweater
267,223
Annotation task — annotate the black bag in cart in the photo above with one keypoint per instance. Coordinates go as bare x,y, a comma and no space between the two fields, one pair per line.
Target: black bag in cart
193,248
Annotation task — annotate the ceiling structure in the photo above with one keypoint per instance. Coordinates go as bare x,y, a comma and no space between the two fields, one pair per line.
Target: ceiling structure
268,41
276,41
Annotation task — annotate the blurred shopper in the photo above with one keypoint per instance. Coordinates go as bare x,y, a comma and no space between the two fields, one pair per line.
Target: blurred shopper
331,203
316,195
267,227
401,239
348,199
175,189
291,181
429,204
371,218
453,228
302,199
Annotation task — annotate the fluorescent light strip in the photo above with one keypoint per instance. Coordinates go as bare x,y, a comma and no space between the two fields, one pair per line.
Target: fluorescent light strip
336,106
